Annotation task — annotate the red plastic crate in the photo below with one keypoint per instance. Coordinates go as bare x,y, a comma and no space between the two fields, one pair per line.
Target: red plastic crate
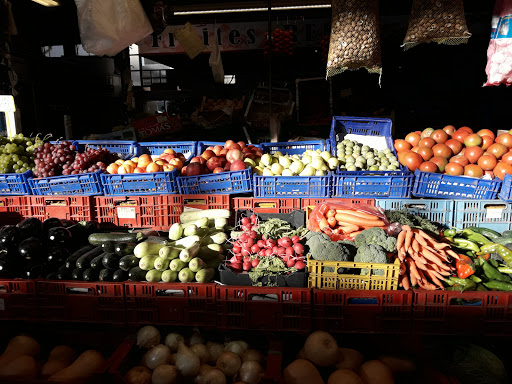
267,205
170,303
91,302
312,202
453,312
362,311
207,201
18,300
152,211
78,208
13,209
264,308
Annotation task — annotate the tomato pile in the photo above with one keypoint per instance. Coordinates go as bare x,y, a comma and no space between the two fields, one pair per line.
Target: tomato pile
457,152
282,43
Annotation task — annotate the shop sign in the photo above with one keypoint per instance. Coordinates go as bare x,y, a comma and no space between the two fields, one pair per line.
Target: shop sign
156,125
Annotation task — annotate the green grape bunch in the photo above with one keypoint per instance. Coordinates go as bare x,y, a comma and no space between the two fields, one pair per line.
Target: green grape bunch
17,153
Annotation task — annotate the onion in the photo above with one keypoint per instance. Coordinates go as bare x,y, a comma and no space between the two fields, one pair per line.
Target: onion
202,352
214,350
173,359
138,375
200,375
156,356
321,349
228,363
211,376
251,372
148,337
238,347
172,340
187,361
164,374
252,355
196,338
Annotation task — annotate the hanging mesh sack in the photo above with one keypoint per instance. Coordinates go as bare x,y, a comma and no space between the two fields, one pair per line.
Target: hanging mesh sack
355,41
499,53
440,21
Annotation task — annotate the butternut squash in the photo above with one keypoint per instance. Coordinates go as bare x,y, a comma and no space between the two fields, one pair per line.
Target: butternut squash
18,346
349,358
376,372
344,376
22,367
60,357
302,372
84,366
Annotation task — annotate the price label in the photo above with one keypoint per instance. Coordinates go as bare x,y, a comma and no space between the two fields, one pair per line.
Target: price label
126,212
7,103
493,213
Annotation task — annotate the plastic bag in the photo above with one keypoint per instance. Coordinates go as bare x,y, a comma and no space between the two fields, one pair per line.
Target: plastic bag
216,62
108,27
318,220
499,53
189,40
440,21
355,40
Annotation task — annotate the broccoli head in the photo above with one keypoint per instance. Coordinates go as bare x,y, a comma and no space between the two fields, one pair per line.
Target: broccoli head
322,248
376,236
371,253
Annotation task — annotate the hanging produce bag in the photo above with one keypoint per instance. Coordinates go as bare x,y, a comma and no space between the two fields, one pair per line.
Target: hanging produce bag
355,40
108,27
499,53
189,40
216,62
440,21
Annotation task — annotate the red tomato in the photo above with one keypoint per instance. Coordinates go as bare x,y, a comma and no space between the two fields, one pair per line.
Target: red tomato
467,129
473,170
449,129
413,138
486,142
502,169
439,136
487,132
473,154
428,166
427,142
440,162
487,162
425,152
497,150
454,169
402,145
460,135
427,132
455,146
505,139
400,156
442,150
412,160
473,140
460,159
507,158
415,149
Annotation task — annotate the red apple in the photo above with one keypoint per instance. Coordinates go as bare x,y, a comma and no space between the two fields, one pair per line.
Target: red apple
223,161
246,150
224,152
227,167
241,144
213,162
234,154
196,159
218,170
217,150
238,165
208,154
251,156
194,169
234,146
184,171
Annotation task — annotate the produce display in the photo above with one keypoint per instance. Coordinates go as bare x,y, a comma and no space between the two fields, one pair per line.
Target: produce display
166,162
310,163
357,157
17,154
457,152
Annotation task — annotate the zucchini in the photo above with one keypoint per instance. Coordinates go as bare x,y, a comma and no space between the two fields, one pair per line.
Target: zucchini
128,262
177,265
169,276
196,264
190,230
189,253
106,274
203,222
100,238
123,249
63,274
108,247
186,275
161,264
120,275
137,274
176,231
153,276
90,275
157,239
208,252
169,253
84,261
147,248
185,242
51,276
221,223
205,275
71,260
147,262
77,274
187,216
96,262
214,263
111,261
216,238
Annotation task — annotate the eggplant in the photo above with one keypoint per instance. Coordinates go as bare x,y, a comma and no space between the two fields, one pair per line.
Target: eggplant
10,237
57,256
32,250
67,223
50,223
7,269
35,271
59,236
31,227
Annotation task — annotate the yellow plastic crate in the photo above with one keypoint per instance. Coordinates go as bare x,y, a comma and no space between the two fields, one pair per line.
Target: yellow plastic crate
333,280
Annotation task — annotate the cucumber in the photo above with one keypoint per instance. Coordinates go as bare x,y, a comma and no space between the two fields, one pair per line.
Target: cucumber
153,276
147,248
203,222
51,276
196,264
186,275
123,249
84,261
169,253
63,274
137,274
147,262
216,238
187,216
169,276
128,262
205,275
120,275
106,274
100,238
177,265
191,230
71,260
189,253
161,264
111,261
96,262
77,274
108,247
90,275
176,231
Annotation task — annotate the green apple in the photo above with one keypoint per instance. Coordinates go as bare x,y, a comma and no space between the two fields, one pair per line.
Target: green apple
277,169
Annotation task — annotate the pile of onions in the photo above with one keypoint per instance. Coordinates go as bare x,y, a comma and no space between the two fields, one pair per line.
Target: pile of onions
148,337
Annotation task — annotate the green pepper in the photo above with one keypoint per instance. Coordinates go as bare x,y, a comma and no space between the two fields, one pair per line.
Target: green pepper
475,279
489,233
499,285
494,263
475,237
470,286
471,254
504,252
466,245
456,288
492,273
452,280
450,232
505,270
481,287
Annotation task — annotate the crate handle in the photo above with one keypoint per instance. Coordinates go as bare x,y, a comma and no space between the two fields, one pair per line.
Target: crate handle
263,297
416,206
170,292
363,300
263,204
495,206
3,288
55,202
125,202
80,291
193,201
466,302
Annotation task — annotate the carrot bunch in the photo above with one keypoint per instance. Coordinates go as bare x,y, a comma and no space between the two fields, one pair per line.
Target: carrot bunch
348,222
424,261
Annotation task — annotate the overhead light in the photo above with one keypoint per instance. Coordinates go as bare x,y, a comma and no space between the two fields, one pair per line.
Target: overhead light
257,9
47,3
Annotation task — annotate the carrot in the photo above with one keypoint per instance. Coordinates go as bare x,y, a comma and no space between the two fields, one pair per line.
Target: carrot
401,254
331,213
434,279
403,268
331,221
358,220
431,256
418,258
406,228
439,246
405,283
349,228
436,252
453,254
354,234
421,240
435,273
408,239
323,224
415,245
414,280
424,235
360,214
400,239
412,268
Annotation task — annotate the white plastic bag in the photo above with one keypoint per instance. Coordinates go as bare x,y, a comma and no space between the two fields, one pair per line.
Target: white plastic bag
216,62
499,53
107,27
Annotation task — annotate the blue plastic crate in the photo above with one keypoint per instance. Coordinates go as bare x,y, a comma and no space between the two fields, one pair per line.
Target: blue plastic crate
132,184
293,147
127,149
506,189
492,214
292,186
188,148
438,211
369,184
15,183
217,183
81,184
454,187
